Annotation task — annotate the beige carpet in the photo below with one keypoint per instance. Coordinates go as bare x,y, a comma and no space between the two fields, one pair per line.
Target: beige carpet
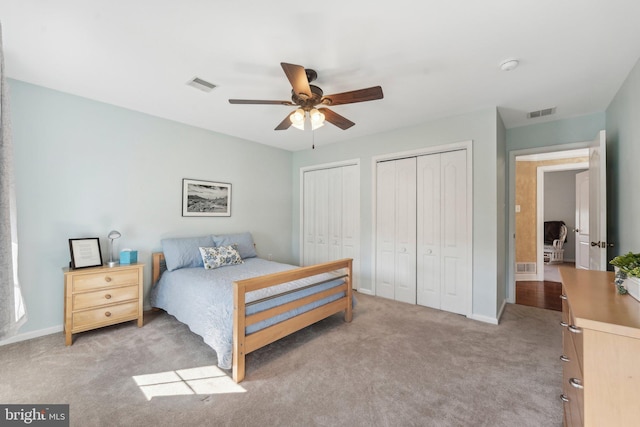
394,365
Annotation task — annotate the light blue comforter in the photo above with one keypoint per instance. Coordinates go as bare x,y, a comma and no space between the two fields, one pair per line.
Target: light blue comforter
203,299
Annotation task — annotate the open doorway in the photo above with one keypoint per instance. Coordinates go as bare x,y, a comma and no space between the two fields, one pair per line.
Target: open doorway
545,203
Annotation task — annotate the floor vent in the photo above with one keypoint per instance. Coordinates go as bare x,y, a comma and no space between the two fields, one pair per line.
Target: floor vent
203,85
525,267
541,113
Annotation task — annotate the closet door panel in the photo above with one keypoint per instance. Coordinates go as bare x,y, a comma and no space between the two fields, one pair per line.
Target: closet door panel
385,229
405,230
455,292
308,212
351,218
428,231
322,216
334,208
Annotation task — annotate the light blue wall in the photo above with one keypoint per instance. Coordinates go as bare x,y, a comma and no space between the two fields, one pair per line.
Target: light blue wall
623,151
577,129
84,168
480,127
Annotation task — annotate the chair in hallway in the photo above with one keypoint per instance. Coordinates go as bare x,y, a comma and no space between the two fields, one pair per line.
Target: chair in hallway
555,234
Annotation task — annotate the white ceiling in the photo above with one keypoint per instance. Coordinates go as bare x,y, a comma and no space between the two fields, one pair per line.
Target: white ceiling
432,58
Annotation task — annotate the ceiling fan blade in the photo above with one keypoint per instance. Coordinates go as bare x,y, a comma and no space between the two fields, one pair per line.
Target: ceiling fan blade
259,101
361,95
336,119
298,78
285,124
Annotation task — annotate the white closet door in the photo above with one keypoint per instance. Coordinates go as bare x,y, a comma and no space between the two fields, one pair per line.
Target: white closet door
396,230
429,231
321,216
385,229
351,218
308,214
455,236
443,237
334,210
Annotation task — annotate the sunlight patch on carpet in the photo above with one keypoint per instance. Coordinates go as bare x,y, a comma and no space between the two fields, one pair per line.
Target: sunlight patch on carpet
201,380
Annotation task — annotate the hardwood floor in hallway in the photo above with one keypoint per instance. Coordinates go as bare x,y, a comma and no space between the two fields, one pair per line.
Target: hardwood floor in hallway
541,294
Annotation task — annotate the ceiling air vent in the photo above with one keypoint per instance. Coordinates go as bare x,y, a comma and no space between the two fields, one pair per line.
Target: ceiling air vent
203,85
541,113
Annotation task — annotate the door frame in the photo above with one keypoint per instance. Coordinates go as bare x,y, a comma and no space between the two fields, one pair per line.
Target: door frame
511,235
436,149
541,170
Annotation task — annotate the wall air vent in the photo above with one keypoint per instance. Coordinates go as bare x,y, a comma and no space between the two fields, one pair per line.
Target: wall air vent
203,85
525,267
541,113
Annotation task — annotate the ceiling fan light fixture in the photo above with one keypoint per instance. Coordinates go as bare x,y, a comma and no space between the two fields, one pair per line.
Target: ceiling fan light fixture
317,119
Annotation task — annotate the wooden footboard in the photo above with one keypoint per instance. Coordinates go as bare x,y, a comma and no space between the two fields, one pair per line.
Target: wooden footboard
244,344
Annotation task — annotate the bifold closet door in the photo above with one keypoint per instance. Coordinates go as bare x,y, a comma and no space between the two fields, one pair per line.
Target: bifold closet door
396,230
442,235
316,213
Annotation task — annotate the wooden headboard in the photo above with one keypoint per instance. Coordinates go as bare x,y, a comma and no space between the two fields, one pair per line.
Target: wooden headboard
158,266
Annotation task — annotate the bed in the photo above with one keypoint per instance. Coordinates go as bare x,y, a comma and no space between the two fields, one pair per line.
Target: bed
241,306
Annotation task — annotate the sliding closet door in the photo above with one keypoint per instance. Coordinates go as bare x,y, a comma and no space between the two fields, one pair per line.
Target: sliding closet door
396,230
443,237
350,212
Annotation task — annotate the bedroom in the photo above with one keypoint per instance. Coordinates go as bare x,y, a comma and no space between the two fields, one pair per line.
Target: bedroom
84,167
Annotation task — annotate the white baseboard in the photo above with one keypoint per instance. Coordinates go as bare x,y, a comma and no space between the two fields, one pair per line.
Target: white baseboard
33,334
504,304
526,276
365,291
485,319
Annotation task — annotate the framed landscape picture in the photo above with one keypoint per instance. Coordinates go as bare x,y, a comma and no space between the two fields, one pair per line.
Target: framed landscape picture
205,198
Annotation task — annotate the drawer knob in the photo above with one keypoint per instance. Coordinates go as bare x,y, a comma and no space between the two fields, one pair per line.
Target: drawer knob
563,296
108,296
107,279
575,329
564,358
564,398
563,324
107,313
575,382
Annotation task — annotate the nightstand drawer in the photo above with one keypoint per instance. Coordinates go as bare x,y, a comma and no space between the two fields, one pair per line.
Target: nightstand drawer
105,296
108,315
85,282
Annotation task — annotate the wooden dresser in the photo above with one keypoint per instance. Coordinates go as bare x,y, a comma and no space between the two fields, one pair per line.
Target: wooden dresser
601,351
101,296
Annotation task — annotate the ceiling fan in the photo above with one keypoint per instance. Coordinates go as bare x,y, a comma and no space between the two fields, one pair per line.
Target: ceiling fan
307,97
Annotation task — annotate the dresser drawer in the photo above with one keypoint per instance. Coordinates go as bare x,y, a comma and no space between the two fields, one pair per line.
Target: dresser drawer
104,296
571,369
108,315
84,282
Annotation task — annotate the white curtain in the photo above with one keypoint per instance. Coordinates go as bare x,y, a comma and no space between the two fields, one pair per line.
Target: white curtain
12,311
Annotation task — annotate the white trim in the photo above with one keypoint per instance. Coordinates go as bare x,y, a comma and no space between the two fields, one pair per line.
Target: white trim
511,262
443,148
33,334
502,308
526,276
540,171
485,319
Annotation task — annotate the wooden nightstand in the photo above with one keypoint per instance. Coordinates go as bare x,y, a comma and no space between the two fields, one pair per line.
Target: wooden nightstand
101,296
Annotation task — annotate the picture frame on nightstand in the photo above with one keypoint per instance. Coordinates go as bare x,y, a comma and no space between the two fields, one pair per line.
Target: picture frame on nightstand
85,252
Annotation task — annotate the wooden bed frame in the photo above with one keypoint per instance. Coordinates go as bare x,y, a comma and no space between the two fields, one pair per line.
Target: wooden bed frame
244,344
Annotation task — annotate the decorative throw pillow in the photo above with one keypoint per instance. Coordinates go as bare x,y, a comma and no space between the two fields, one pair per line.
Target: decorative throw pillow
220,256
